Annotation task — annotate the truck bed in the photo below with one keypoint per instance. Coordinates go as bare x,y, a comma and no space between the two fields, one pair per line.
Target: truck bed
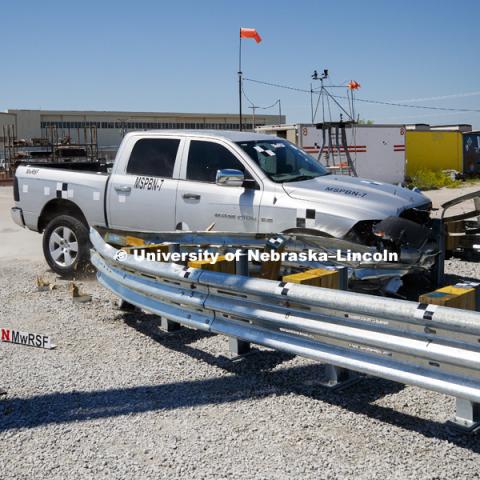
79,185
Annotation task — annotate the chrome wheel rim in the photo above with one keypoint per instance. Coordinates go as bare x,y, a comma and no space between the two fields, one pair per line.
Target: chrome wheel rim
63,246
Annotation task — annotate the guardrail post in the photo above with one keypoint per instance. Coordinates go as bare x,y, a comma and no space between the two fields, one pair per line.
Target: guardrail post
174,248
241,265
438,270
338,377
125,306
238,347
235,346
165,324
467,416
343,272
169,326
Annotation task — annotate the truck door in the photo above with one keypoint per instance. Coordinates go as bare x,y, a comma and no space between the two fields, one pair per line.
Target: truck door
201,202
142,197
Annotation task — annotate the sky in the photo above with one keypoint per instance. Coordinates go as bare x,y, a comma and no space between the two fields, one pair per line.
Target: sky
182,56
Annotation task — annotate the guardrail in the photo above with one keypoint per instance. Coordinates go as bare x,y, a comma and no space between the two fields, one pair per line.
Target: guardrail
433,347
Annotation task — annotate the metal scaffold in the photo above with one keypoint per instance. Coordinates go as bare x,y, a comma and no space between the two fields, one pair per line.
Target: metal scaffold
55,145
334,151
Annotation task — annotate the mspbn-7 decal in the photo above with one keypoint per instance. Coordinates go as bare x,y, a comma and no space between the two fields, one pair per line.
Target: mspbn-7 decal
346,191
148,183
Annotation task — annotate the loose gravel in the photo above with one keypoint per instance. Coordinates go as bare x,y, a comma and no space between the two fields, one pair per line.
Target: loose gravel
120,399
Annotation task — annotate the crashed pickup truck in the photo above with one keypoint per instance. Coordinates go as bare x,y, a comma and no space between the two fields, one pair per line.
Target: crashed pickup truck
223,181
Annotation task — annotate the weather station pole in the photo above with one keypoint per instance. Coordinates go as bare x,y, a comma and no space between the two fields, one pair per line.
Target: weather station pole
244,33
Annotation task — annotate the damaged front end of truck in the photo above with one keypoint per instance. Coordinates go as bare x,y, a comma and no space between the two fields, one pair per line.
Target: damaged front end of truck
416,239
415,248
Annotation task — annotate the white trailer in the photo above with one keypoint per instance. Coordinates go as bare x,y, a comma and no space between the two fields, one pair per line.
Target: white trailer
377,151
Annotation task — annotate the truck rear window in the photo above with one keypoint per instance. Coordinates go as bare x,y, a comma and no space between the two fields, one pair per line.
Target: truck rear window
153,157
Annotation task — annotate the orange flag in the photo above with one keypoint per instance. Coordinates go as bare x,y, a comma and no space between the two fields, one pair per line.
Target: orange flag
250,33
353,85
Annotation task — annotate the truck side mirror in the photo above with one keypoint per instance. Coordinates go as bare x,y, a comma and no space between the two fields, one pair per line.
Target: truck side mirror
229,178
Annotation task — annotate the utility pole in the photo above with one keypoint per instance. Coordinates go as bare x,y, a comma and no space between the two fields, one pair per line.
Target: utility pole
253,107
311,101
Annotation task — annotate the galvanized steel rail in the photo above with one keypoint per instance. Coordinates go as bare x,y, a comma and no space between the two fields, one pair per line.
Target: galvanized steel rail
433,347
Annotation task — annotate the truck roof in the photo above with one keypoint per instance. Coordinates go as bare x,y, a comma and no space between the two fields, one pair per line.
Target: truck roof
232,135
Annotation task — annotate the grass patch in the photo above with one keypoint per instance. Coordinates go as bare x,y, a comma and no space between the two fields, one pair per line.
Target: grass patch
430,180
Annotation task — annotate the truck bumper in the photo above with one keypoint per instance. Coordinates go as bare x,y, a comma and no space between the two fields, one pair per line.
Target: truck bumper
17,216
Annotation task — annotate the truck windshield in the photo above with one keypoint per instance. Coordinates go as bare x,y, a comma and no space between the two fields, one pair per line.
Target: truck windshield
282,161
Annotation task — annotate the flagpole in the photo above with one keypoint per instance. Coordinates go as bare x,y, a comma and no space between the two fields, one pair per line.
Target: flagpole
240,84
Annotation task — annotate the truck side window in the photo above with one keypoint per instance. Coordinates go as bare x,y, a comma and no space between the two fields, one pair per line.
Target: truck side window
205,158
153,157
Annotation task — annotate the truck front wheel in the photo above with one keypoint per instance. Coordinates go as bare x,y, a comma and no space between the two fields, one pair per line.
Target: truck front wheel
66,245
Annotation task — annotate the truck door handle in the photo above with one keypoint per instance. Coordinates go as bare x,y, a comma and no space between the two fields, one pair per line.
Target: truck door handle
123,189
191,196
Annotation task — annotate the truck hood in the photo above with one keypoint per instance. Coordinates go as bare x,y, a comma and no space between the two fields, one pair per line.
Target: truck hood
354,198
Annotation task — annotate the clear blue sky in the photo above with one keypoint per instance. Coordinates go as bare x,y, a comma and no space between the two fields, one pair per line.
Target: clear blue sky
183,55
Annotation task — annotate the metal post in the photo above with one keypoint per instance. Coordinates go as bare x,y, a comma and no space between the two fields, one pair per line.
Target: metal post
174,248
125,306
438,228
343,272
240,85
253,107
467,416
169,326
165,324
240,120
241,265
238,347
337,377
235,346
311,102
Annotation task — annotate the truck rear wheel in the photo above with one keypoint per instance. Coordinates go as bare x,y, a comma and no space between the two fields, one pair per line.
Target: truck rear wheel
66,245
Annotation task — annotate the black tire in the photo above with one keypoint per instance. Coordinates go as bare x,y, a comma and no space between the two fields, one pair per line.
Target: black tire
60,237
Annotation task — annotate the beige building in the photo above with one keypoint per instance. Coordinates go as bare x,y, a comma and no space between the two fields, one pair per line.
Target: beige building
112,126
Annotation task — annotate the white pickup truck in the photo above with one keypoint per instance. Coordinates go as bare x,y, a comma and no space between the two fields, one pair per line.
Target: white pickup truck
189,180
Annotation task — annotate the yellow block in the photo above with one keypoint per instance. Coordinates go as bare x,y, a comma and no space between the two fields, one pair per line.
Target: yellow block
134,241
317,277
221,265
433,150
451,296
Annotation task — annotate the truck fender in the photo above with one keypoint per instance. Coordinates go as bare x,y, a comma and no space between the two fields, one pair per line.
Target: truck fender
59,206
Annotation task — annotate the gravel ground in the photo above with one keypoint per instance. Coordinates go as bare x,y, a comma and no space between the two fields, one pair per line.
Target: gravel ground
120,399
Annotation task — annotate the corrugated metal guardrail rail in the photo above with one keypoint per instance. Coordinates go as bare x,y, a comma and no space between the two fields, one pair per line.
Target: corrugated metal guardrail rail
433,347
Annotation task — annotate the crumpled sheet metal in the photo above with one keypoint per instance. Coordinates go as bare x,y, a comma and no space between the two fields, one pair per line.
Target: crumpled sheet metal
294,242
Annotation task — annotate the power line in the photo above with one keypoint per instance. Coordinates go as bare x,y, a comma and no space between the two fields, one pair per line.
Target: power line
257,106
440,97
365,100
277,85
424,107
